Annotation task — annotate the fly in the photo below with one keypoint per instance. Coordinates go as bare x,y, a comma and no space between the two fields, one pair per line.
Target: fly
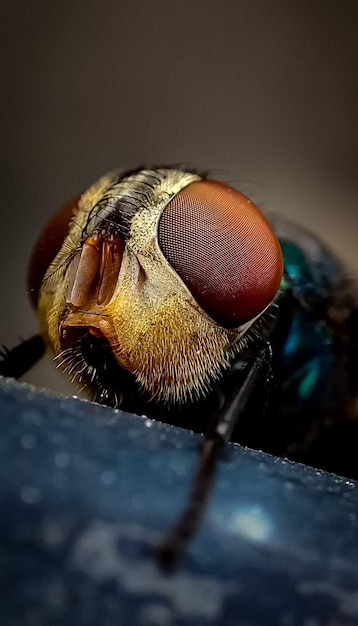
168,293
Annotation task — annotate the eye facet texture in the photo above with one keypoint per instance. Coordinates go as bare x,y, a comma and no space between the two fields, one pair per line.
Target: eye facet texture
223,249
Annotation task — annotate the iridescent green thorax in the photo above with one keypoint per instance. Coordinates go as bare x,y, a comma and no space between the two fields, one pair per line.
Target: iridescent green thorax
307,354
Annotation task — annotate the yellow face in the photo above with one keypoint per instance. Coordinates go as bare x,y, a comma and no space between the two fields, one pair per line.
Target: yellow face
147,283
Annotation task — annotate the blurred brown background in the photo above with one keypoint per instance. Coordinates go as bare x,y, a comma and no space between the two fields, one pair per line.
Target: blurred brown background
262,92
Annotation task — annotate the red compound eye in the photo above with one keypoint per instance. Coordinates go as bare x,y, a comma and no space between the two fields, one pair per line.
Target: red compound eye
223,249
47,246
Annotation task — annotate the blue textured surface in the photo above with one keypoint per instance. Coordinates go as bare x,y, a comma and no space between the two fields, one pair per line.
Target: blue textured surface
87,491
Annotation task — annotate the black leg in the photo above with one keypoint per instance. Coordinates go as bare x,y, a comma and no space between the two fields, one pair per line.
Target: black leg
16,362
217,435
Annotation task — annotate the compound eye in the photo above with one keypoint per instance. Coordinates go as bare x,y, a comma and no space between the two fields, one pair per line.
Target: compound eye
47,246
223,249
